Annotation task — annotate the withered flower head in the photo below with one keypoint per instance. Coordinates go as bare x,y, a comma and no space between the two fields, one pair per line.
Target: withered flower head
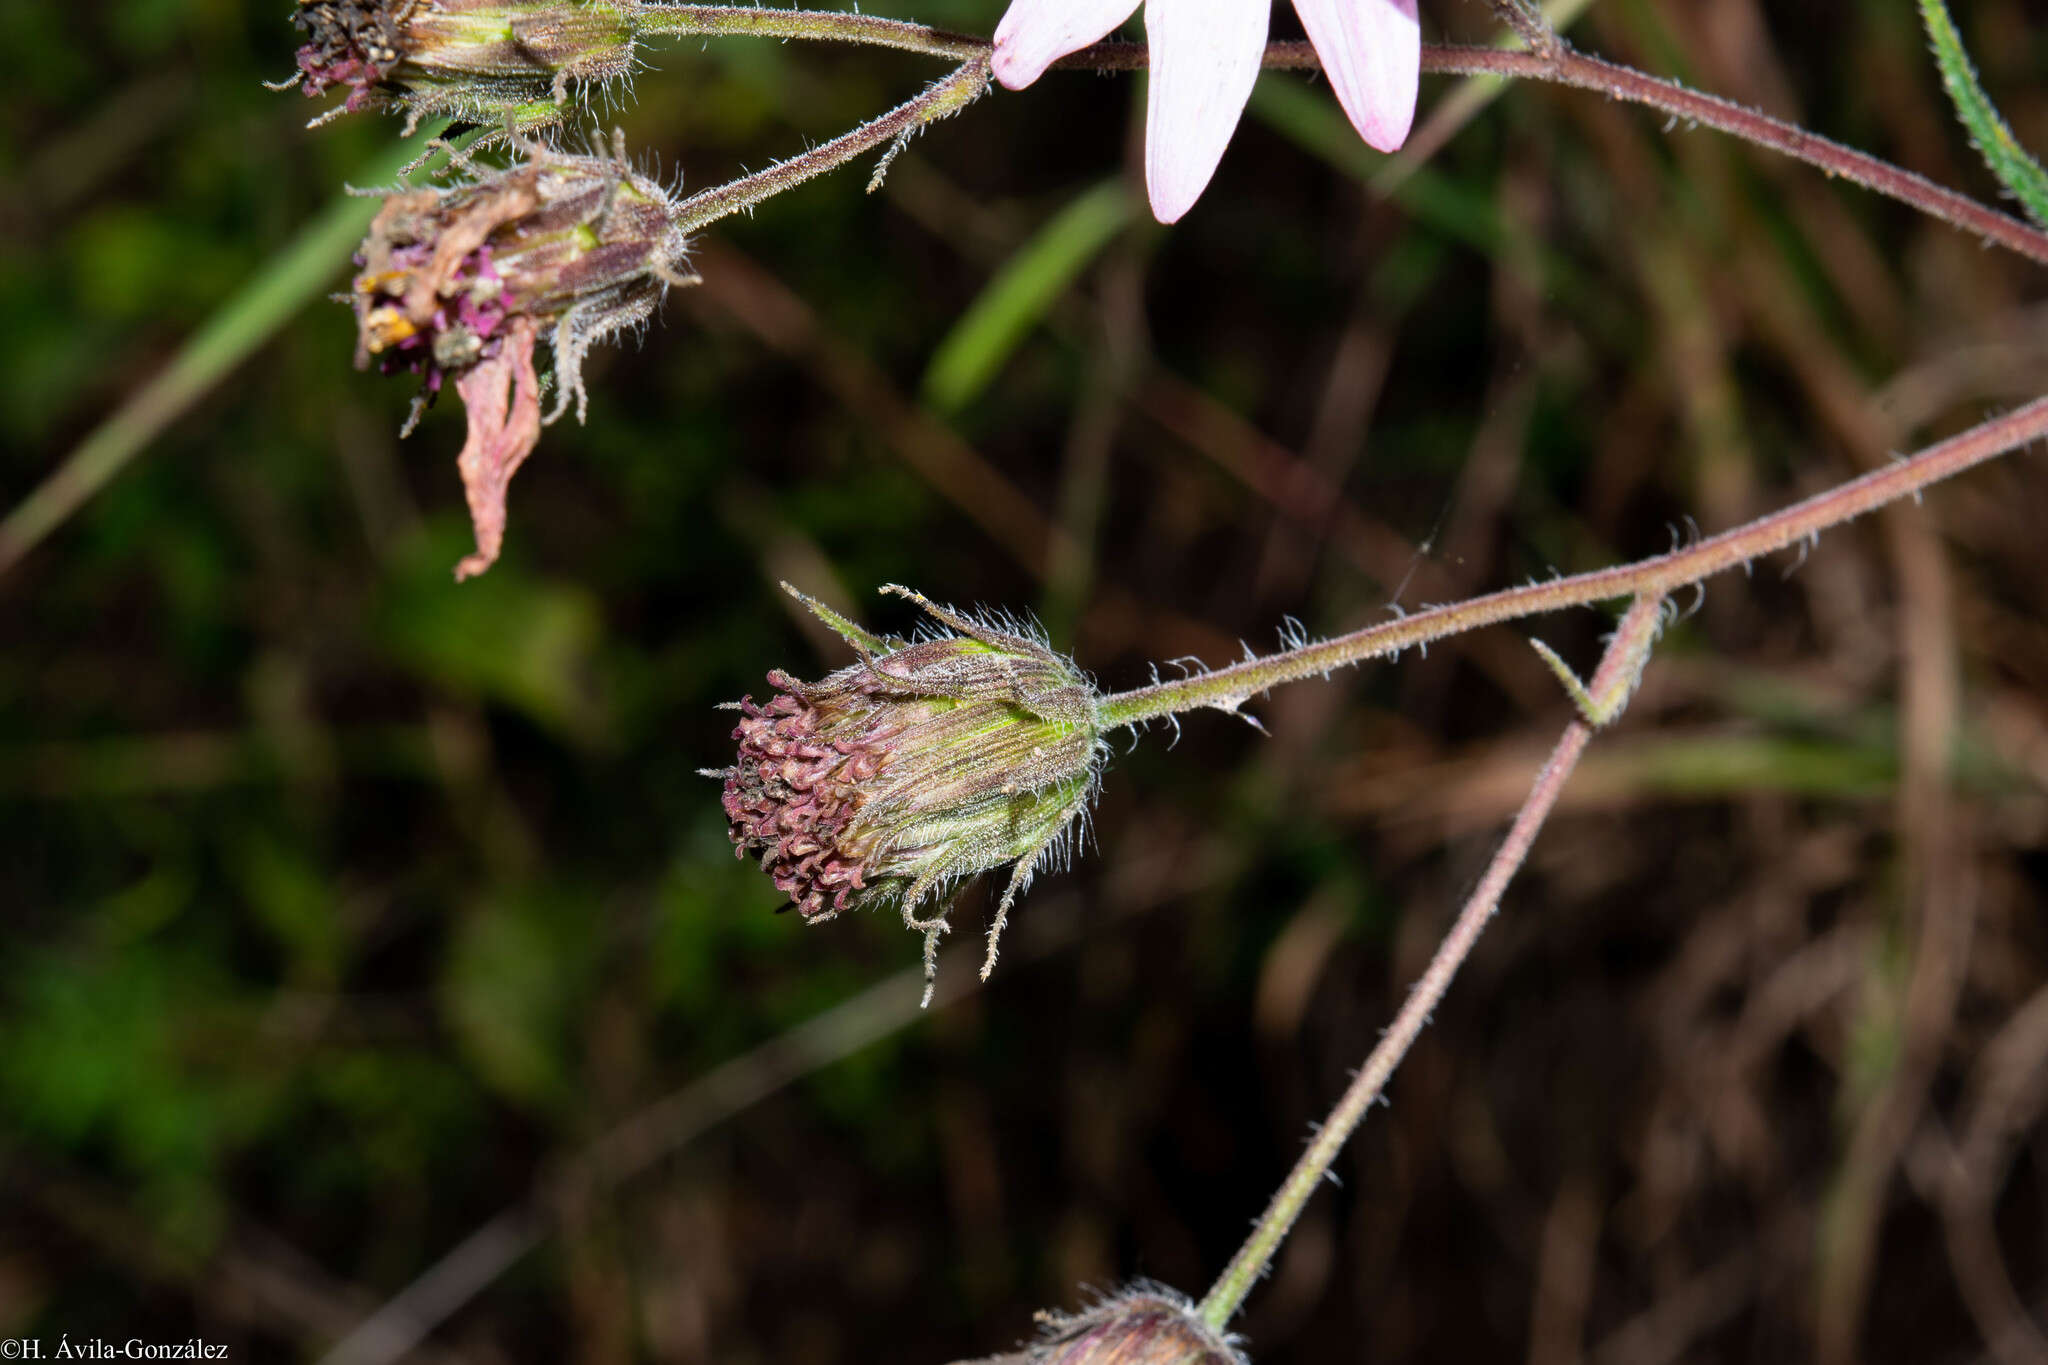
481,61
926,762
1146,1325
460,283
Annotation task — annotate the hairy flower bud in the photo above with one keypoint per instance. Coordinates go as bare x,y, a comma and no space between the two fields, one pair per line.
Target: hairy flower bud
926,762
460,284
492,62
1142,1326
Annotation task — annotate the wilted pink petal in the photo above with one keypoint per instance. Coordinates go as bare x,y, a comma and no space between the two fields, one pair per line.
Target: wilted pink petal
1036,33
502,398
1372,50
1205,57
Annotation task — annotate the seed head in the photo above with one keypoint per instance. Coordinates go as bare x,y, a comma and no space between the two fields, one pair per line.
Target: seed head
1147,1325
494,62
460,284
926,762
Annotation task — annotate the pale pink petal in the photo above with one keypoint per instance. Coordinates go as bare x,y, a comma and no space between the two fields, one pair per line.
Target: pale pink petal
1036,33
1372,50
1205,57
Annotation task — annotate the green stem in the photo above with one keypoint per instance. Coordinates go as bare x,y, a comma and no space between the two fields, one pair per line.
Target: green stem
1529,22
1624,658
939,99
728,21
1226,689
1630,647
2010,162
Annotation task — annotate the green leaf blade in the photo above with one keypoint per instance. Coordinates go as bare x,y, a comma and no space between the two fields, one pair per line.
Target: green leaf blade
2015,168
999,319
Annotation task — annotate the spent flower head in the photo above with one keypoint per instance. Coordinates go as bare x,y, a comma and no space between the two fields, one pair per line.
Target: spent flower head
1146,1324
496,62
460,283
926,762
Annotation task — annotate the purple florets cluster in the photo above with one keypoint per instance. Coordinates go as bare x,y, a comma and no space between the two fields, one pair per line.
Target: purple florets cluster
350,43
792,795
464,327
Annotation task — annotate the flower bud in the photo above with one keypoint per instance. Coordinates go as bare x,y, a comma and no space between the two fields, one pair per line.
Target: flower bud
1145,1326
460,283
925,763
478,61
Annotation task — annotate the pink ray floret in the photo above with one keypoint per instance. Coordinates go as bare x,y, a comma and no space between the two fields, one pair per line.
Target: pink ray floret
1205,57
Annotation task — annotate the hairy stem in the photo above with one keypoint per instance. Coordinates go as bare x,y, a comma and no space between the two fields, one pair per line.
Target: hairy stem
1528,20
736,21
1567,67
1549,59
1873,173
939,99
1613,679
1227,688
2014,166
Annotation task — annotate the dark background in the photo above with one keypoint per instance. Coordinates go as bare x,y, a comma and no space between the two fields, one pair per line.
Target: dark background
346,909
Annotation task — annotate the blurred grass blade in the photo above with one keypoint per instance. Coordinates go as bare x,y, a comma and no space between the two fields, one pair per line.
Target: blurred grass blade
1020,293
2015,168
286,283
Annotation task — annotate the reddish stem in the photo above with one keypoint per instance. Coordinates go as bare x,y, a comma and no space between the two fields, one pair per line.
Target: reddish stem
1566,67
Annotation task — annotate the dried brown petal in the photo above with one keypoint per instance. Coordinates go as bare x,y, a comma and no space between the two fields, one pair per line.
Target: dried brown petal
501,397
461,283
